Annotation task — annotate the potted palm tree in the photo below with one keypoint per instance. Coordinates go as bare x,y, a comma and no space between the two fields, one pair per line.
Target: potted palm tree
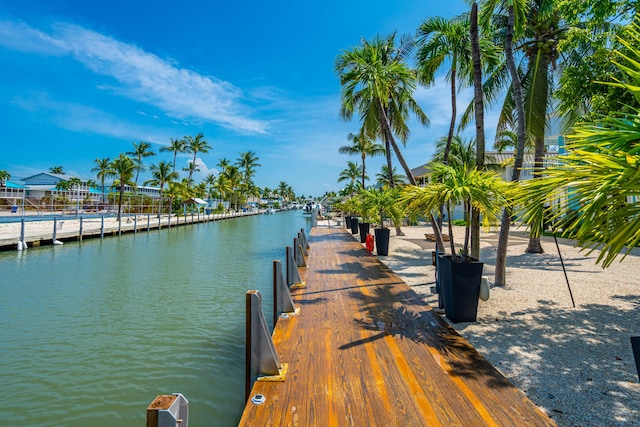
460,274
382,204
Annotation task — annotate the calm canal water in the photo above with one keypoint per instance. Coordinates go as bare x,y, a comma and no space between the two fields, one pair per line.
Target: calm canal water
90,333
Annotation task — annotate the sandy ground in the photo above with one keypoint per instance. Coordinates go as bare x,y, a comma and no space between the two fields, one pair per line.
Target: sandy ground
575,363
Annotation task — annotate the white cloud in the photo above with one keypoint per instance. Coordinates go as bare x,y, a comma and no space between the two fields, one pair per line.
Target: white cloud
139,75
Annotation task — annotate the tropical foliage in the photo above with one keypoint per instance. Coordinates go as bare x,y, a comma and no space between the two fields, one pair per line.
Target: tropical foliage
593,193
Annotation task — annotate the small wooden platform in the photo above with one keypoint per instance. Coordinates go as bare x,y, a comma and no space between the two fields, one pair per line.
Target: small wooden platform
365,350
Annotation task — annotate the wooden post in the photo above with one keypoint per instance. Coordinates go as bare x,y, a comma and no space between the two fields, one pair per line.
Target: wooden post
148,221
55,226
102,226
135,224
303,246
80,231
304,238
262,362
168,410
293,275
297,255
282,302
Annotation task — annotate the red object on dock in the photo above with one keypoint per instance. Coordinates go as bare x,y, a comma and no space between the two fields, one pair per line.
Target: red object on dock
369,242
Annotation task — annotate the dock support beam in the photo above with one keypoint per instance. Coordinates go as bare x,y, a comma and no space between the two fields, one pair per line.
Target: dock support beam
297,254
282,302
303,237
293,275
168,410
262,362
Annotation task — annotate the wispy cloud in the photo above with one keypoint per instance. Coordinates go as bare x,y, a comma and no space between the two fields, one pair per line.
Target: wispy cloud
139,75
82,118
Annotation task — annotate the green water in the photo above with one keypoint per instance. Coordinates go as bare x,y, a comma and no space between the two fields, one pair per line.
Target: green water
90,333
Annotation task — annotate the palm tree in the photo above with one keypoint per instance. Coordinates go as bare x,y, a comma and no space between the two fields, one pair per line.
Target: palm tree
102,171
351,174
191,168
234,177
4,177
458,185
445,40
363,146
161,174
247,162
58,170
378,84
222,186
140,151
175,146
210,182
196,145
597,182
384,178
122,168
516,12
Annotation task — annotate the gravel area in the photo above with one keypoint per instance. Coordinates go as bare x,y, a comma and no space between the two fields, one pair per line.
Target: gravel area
576,364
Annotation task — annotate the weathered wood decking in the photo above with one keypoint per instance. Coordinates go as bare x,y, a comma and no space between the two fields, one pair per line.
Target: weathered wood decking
365,350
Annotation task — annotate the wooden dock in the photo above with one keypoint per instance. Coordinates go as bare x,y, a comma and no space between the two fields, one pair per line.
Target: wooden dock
365,350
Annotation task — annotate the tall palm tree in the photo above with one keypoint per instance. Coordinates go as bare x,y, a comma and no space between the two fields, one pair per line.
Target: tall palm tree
140,151
196,145
384,178
378,84
209,181
191,168
102,171
223,186
176,145
234,177
597,180
350,174
247,162
442,41
122,168
516,12
363,146
161,174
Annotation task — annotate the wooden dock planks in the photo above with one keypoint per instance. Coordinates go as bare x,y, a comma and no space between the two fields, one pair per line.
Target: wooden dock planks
366,350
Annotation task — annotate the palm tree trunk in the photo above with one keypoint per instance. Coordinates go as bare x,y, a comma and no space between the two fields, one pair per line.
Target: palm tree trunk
534,246
389,138
363,170
503,237
120,202
479,115
452,125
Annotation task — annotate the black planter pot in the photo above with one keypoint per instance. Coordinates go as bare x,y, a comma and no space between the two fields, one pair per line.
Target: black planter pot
347,221
354,225
382,241
364,230
434,259
460,288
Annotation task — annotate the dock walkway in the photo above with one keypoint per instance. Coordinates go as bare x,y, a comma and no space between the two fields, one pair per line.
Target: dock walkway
365,350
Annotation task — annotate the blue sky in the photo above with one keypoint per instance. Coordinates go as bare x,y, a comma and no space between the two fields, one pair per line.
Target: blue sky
84,79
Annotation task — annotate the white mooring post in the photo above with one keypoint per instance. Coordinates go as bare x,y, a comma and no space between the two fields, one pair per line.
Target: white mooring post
262,362
168,410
